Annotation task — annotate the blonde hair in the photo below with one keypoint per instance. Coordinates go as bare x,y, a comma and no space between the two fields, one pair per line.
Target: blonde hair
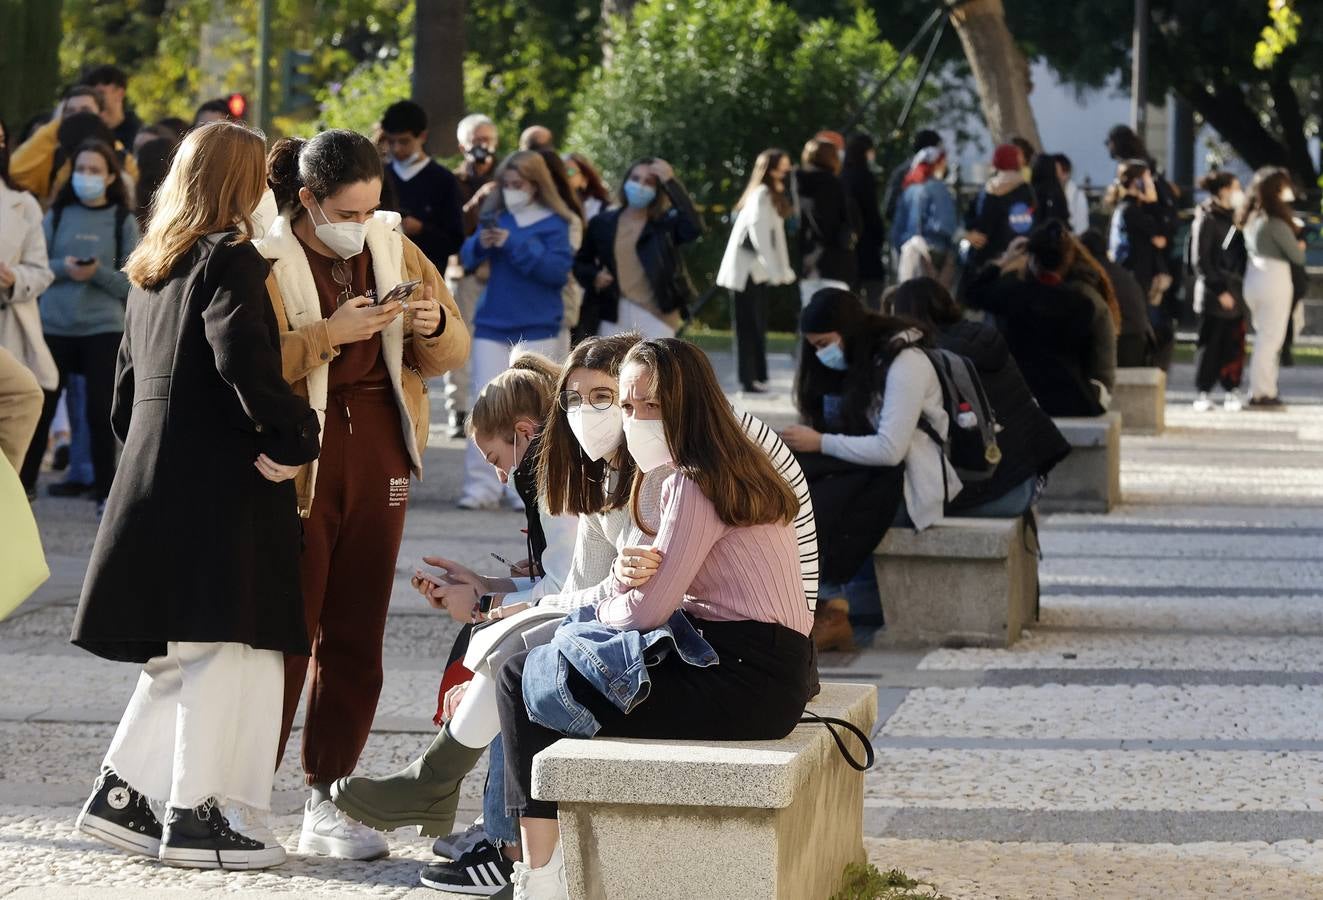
526,390
533,168
214,184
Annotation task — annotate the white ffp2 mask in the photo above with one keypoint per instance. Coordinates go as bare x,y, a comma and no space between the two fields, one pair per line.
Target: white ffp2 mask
646,439
345,239
599,431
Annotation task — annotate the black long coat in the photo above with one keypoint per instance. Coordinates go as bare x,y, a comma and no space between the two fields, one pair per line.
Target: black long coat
195,544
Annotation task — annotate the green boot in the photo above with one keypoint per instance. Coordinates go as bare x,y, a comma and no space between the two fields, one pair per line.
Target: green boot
424,795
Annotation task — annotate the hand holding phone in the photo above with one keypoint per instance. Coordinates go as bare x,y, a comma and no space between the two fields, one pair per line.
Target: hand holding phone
400,292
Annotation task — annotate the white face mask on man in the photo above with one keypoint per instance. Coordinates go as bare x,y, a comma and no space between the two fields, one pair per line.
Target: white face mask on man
646,439
599,431
344,239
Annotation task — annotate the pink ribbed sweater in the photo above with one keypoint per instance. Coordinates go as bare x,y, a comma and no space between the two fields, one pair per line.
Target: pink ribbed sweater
713,571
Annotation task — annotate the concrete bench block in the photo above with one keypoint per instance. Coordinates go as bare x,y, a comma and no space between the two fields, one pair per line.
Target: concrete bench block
746,820
1140,396
960,583
1089,479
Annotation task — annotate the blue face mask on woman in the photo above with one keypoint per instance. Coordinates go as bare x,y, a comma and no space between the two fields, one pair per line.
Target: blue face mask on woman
89,188
639,196
833,357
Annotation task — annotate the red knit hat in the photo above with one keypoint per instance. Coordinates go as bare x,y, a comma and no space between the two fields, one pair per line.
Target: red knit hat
1007,158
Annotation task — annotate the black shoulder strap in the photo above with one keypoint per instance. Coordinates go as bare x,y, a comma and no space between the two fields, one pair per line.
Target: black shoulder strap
121,216
811,718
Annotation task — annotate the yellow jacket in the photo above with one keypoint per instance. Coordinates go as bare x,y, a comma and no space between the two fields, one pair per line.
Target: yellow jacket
30,166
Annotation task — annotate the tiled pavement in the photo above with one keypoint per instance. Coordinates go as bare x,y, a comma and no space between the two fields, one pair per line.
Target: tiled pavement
1157,735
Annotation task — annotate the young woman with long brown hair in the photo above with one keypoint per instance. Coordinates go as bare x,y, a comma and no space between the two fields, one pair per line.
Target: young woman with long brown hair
213,435
721,516
757,258
1274,245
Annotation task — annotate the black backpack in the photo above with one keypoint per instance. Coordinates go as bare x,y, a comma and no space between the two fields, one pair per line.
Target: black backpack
971,442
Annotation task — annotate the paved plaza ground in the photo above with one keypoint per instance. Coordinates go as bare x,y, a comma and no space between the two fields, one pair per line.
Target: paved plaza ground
1158,734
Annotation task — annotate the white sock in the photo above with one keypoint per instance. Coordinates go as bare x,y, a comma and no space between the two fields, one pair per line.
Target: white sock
477,723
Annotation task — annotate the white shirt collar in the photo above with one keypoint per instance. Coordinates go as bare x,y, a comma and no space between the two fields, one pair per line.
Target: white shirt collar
406,170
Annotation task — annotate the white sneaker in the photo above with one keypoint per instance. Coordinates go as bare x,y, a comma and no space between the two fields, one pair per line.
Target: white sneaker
253,823
329,832
545,883
1202,403
1233,402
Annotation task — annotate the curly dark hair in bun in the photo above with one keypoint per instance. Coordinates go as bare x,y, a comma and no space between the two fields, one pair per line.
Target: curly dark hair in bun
324,164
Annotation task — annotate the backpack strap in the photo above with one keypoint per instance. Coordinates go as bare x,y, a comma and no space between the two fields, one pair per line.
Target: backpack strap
121,216
811,718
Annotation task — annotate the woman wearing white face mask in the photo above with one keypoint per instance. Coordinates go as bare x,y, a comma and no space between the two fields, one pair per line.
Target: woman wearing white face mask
524,235
721,516
363,367
90,232
1274,245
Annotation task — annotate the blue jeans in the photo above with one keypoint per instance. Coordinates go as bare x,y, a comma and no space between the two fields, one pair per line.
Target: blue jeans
865,603
1010,505
501,827
80,441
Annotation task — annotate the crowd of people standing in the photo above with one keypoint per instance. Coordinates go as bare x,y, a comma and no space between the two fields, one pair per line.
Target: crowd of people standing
257,328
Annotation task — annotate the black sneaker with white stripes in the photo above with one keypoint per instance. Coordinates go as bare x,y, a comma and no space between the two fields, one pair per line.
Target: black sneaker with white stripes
120,816
202,838
483,870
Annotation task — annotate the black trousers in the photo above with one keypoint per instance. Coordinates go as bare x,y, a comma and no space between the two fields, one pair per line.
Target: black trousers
94,358
757,691
1221,355
751,308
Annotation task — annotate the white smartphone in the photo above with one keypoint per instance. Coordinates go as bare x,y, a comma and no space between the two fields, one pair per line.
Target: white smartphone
431,577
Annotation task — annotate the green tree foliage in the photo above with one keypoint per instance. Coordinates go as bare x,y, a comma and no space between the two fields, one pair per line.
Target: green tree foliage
29,45
710,83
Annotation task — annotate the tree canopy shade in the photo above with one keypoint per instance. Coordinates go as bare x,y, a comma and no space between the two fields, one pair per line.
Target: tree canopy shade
1203,51
29,60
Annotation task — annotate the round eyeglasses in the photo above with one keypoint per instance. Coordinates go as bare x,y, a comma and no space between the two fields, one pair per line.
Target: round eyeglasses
344,277
598,398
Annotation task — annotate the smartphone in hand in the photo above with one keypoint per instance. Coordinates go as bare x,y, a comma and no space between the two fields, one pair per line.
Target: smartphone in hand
86,260
401,292
431,577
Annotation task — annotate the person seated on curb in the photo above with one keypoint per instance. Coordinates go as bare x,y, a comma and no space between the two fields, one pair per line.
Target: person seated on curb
863,385
1064,348
584,471
722,518
1030,443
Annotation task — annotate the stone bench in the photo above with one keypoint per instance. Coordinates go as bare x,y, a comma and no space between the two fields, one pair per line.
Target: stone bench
748,820
1089,479
960,583
1140,396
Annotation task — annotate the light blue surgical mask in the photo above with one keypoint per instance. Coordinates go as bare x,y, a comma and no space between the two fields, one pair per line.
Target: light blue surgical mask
833,357
89,188
640,196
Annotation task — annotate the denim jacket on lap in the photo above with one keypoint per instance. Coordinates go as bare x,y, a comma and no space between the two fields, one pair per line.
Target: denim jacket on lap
614,662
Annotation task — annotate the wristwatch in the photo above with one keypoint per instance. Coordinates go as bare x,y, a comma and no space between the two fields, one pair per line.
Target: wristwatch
485,603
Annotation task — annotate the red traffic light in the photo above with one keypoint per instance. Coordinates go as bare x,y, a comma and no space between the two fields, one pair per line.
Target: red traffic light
238,105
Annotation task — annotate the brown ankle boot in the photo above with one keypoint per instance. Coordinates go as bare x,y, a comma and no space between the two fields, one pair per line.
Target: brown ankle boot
831,626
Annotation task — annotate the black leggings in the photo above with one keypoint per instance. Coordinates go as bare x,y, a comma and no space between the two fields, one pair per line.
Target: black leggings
750,321
1221,356
94,357
757,691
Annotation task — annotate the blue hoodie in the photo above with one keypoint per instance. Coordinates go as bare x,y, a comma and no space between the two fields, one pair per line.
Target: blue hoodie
522,300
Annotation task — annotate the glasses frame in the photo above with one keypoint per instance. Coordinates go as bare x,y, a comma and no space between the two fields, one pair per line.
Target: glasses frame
342,275
567,400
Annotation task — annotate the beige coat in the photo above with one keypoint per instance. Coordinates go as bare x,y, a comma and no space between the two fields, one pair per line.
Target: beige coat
305,345
23,249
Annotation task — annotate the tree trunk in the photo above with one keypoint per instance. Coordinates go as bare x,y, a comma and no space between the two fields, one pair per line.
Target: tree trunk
1224,106
438,69
1292,122
1000,70
29,61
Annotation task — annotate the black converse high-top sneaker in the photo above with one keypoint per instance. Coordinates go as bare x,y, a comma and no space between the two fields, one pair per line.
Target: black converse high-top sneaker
201,838
120,816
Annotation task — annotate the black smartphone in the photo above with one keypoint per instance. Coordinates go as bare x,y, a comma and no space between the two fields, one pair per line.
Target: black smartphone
86,260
